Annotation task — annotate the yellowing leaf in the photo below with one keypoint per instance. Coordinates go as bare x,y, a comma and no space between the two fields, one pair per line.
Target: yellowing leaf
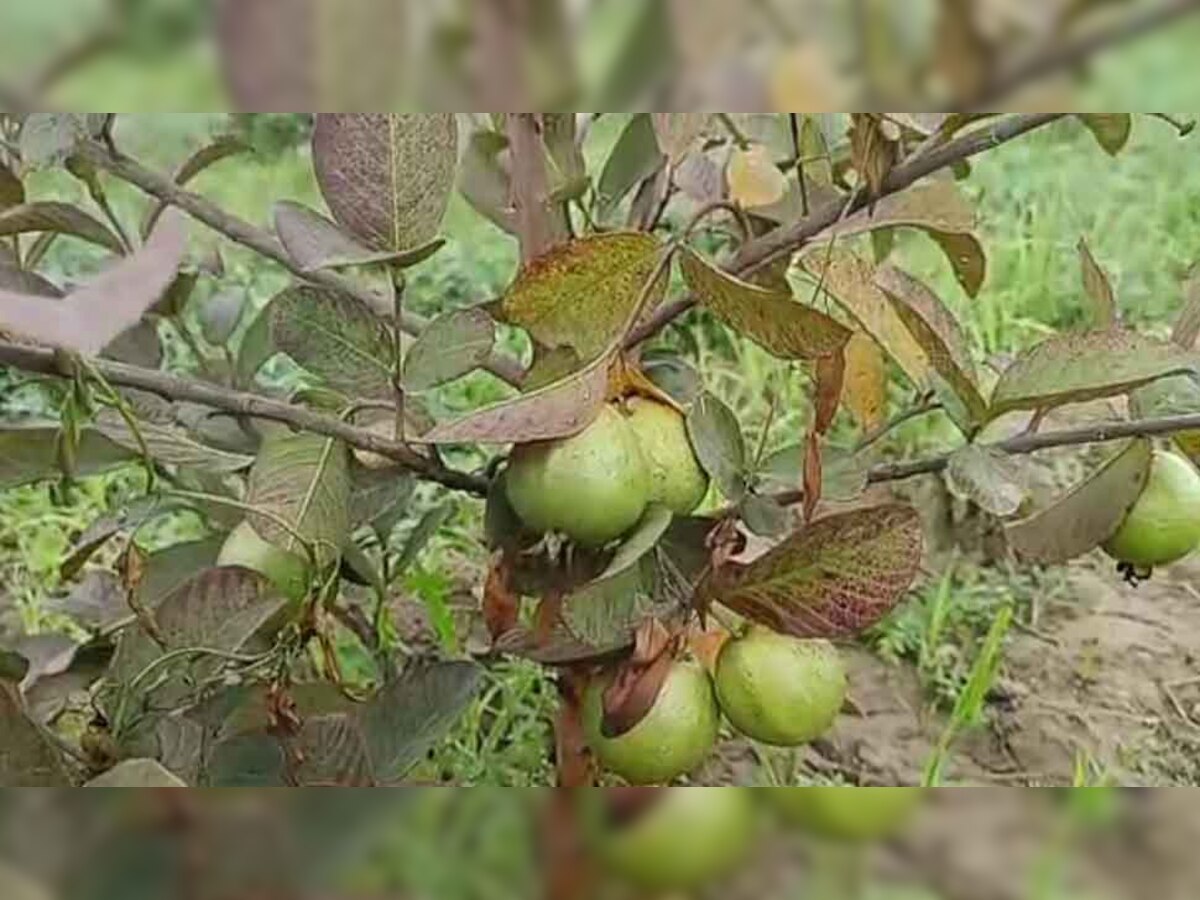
865,389
804,79
754,179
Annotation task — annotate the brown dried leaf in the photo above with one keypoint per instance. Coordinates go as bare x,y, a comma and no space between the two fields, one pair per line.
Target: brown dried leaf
12,191
637,684
501,604
783,326
1098,288
1090,514
1187,326
813,475
872,153
835,577
830,381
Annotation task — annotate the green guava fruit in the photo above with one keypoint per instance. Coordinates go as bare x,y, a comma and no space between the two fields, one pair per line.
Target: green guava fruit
778,689
1164,525
687,838
591,487
671,740
847,813
676,479
284,569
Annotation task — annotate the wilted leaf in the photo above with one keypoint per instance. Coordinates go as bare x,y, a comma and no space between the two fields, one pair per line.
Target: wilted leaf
30,453
829,378
872,153
989,478
169,445
1090,514
720,446
332,335
937,332
107,305
835,577
130,517
559,409
866,381
12,191
850,281
1073,368
303,479
581,294
1111,130
677,133
314,242
1097,288
387,176
635,156
783,326
209,155
754,179
137,773
58,218
455,343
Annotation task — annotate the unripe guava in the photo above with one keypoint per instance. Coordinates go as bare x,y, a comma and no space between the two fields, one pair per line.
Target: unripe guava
688,838
778,689
847,813
591,487
676,479
284,569
671,740
1164,525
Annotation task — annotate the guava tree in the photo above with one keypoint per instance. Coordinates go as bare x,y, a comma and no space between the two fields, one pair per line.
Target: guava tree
219,661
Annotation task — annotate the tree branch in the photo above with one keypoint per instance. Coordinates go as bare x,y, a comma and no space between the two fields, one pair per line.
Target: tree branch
48,362
259,240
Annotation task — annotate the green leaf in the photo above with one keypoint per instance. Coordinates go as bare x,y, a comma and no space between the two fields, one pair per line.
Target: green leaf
30,453
332,335
484,181
315,243
220,315
1090,514
137,773
453,344
938,334
634,157
582,293
426,529
169,445
1111,130
641,540
166,570
1074,368
989,478
47,139
720,446
1178,395
387,177
58,218
783,326
604,614
379,497
843,474
303,479
764,516
27,758
834,578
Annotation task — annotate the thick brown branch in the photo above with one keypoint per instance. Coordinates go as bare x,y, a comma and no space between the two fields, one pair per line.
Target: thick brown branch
46,362
781,241
257,239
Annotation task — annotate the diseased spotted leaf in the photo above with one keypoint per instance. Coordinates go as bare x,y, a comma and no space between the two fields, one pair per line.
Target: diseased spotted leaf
850,281
387,176
303,479
58,218
783,326
833,578
1097,288
989,478
635,156
937,332
581,294
137,773
561,408
1073,368
455,343
91,316
315,243
1090,514
332,335
209,155
720,446
1111,130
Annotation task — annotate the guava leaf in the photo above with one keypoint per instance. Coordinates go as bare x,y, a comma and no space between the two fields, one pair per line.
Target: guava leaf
677,133
581,294
764,516
561,408
12,191
332,335
634,157
209,155
843,476
137,773
865,388
720,446
169,445
1177,395
641,540
165,571
58,218
937,332
1090,514
850,281
27,758
484,181
989,478
105,306
1111,130
29,453
782,325
936,207
387,177
1187,325
315,243
453,344
379,497
833,578
47,139
303,479
23,281
604,614
1097,288
1074,368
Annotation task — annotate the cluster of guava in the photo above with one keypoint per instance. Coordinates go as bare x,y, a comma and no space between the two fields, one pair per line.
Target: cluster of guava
690,837
1163,526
